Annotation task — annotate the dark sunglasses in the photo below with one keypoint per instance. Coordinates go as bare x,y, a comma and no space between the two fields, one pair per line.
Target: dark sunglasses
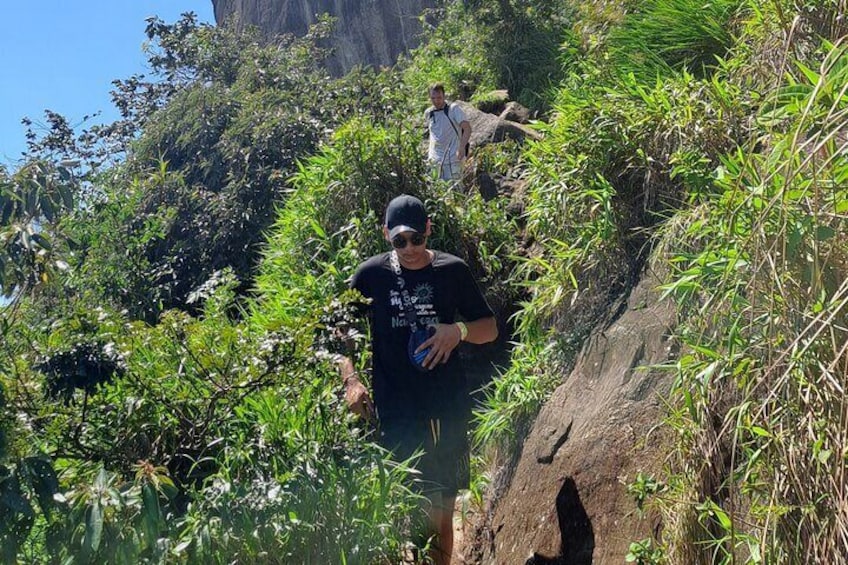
399,241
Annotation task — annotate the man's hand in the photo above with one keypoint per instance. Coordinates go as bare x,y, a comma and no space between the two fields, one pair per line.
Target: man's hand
358,400
443,342
356,395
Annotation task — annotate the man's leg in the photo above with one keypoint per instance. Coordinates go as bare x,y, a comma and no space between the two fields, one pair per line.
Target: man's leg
452,171
441,525
451,471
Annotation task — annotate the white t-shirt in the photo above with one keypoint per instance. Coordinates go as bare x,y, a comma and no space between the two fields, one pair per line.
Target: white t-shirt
444,139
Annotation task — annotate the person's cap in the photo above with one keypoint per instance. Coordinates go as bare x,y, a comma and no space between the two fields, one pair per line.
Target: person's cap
405,213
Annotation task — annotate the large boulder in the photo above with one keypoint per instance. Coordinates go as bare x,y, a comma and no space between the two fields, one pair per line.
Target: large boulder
567,502
488,128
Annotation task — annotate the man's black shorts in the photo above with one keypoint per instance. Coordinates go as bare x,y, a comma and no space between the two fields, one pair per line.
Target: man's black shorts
444,466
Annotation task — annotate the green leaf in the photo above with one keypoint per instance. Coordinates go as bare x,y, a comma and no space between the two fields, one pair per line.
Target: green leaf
167,486
93,528
102,480
150,501
47,208
8,207
11,496
42,241
67,197
316,227
811,75
204,542
723,518
31,197
25,240
760,431
182,547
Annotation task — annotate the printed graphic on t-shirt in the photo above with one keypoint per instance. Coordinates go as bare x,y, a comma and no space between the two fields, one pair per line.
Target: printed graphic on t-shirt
421,296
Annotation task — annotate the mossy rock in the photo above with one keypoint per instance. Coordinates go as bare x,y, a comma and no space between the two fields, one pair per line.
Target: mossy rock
492,102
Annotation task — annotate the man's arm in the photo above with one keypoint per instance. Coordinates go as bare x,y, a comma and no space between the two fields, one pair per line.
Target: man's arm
481,331
465,128
356,395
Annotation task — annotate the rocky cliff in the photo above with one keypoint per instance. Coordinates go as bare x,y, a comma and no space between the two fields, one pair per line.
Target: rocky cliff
370,32
567,503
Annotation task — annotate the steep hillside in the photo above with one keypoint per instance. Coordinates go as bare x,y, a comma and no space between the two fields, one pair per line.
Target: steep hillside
665,244
368,32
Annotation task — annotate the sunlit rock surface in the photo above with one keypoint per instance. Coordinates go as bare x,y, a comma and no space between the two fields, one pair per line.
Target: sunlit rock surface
368,32
567,503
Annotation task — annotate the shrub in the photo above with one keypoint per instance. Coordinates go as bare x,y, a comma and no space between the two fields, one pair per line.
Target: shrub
661,36
213,425
759,274
617,159
481,46
203,178
343,193
452,53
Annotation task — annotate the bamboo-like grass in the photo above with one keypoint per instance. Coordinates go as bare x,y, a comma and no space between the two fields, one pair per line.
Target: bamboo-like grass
759,473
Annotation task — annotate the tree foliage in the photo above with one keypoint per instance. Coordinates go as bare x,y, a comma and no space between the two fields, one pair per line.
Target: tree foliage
169,209
215,141
32,202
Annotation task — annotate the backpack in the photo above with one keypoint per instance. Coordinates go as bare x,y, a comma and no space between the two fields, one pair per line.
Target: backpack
446,109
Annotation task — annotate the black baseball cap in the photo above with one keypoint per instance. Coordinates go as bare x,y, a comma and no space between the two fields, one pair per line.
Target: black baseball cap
406,213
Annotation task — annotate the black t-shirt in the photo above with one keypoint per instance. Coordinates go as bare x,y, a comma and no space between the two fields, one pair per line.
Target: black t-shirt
441,292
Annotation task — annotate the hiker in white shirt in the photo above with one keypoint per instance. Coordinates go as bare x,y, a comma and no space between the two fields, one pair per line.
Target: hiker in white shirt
449,135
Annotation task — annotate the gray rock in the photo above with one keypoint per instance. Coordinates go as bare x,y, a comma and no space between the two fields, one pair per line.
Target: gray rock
567,501
368,32
515,112
487,128
492,185
488,186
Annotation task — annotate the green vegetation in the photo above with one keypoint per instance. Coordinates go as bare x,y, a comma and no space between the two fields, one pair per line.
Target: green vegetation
167,388
480,46
764,378
663,36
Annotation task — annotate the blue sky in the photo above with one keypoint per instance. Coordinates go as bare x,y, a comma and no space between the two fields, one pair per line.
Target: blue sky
63,56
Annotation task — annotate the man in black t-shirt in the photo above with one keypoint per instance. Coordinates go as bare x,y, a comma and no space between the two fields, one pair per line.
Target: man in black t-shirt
421,403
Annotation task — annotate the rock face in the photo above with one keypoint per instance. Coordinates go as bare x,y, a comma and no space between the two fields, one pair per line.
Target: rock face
368,32
567,503
488,128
